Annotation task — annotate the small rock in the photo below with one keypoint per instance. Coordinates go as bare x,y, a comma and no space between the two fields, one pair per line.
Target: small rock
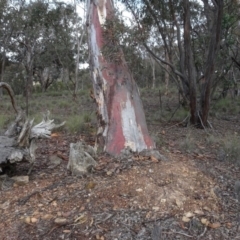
4,205
139,190
27,220
47,216
60,221
155,208
189,214
97,237
81,159
205,222
90,185
54,161
66,214
185,219
179,203
228,225
207,209
34,220
20,180
214,225
199,212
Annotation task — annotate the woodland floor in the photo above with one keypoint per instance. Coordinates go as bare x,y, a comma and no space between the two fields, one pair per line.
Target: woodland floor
189,196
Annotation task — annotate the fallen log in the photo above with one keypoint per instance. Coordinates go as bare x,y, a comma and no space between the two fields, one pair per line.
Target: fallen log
19,141
22,146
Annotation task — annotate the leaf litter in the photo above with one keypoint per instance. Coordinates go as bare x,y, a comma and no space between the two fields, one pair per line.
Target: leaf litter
189,196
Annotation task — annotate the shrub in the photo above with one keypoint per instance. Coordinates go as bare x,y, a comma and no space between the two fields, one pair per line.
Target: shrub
188,143
230,148
79,123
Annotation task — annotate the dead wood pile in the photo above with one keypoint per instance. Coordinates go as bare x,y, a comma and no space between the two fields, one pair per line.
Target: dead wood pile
19,141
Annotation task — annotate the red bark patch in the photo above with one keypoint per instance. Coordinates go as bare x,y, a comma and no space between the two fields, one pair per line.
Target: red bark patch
116,140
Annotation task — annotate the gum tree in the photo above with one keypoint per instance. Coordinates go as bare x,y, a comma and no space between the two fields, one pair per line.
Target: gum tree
191,35
121,119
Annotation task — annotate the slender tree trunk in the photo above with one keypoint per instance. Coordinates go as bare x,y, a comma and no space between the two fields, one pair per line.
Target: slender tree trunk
78,43
153,72
189,61
121,117
167,73
2,71
213,48
28,87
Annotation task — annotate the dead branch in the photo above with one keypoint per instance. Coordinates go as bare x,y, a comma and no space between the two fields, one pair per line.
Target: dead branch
10,93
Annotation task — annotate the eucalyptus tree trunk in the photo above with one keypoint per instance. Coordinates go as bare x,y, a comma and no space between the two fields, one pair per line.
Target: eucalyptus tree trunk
215,38
190,71
121,117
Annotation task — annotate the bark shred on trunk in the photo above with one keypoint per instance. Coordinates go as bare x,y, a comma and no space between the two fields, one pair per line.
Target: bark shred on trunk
121,117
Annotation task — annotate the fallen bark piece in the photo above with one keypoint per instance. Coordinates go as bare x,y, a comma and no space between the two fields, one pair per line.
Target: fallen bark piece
60,221
20,180
153,154
81,159
34,220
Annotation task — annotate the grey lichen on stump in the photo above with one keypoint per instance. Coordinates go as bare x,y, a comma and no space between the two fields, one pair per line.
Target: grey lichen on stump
81,158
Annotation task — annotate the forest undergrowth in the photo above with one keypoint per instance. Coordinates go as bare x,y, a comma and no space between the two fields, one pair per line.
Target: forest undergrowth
191,195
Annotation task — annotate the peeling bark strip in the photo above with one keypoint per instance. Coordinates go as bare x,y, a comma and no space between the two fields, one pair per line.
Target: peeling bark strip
122,121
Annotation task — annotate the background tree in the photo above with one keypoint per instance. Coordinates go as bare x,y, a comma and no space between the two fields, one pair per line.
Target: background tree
165,17
6,30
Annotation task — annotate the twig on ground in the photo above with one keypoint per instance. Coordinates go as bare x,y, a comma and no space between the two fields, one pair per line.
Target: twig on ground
203,233
50,187
179,122
184,234
174,113
55,228
202,123
210,125
180,233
